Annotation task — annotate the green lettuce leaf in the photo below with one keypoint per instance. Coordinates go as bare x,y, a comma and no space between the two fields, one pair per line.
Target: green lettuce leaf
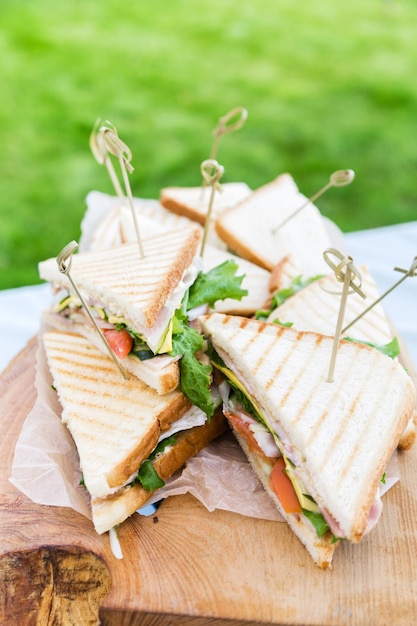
391,349
162,445
246,403
282,295
149,477
195,383
279,323
195,379
318,522
218,283
213,356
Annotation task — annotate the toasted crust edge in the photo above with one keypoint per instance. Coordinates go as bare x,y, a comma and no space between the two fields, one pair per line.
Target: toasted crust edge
108,512
179,208
184,258
238,247
130,463
229,237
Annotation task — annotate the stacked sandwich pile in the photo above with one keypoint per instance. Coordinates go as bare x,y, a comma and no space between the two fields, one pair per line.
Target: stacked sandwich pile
242,332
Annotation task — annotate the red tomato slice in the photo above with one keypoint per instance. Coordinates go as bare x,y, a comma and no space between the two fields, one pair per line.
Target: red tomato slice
242,427
283,489
119,341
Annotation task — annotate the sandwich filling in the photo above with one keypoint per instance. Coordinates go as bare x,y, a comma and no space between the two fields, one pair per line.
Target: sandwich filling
278,456
124,337
180,338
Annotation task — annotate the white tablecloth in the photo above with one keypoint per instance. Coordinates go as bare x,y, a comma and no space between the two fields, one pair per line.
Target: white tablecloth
381,249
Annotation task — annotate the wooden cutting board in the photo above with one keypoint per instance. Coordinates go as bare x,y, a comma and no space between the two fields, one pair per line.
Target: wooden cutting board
185,565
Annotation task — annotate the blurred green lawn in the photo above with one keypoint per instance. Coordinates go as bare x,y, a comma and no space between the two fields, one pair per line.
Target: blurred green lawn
328,85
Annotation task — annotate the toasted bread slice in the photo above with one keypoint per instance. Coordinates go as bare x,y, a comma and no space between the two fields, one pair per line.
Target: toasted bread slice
248,228
339,435
110,511
115,422
316,308
130,286
193,202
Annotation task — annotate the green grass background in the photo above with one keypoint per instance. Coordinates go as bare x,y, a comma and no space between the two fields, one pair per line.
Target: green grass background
327,84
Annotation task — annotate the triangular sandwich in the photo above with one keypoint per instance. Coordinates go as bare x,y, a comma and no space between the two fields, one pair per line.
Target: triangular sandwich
129,438
131,294
320,448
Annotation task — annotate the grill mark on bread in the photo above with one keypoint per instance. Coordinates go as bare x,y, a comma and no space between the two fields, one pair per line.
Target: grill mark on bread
83,365
280,367
119,274
344,464
346,474
313,307
322,421
378,402
130,409
133,412
92,385
251,341
296,381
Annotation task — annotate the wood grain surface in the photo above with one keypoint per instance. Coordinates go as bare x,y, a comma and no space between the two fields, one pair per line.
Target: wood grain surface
185,565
